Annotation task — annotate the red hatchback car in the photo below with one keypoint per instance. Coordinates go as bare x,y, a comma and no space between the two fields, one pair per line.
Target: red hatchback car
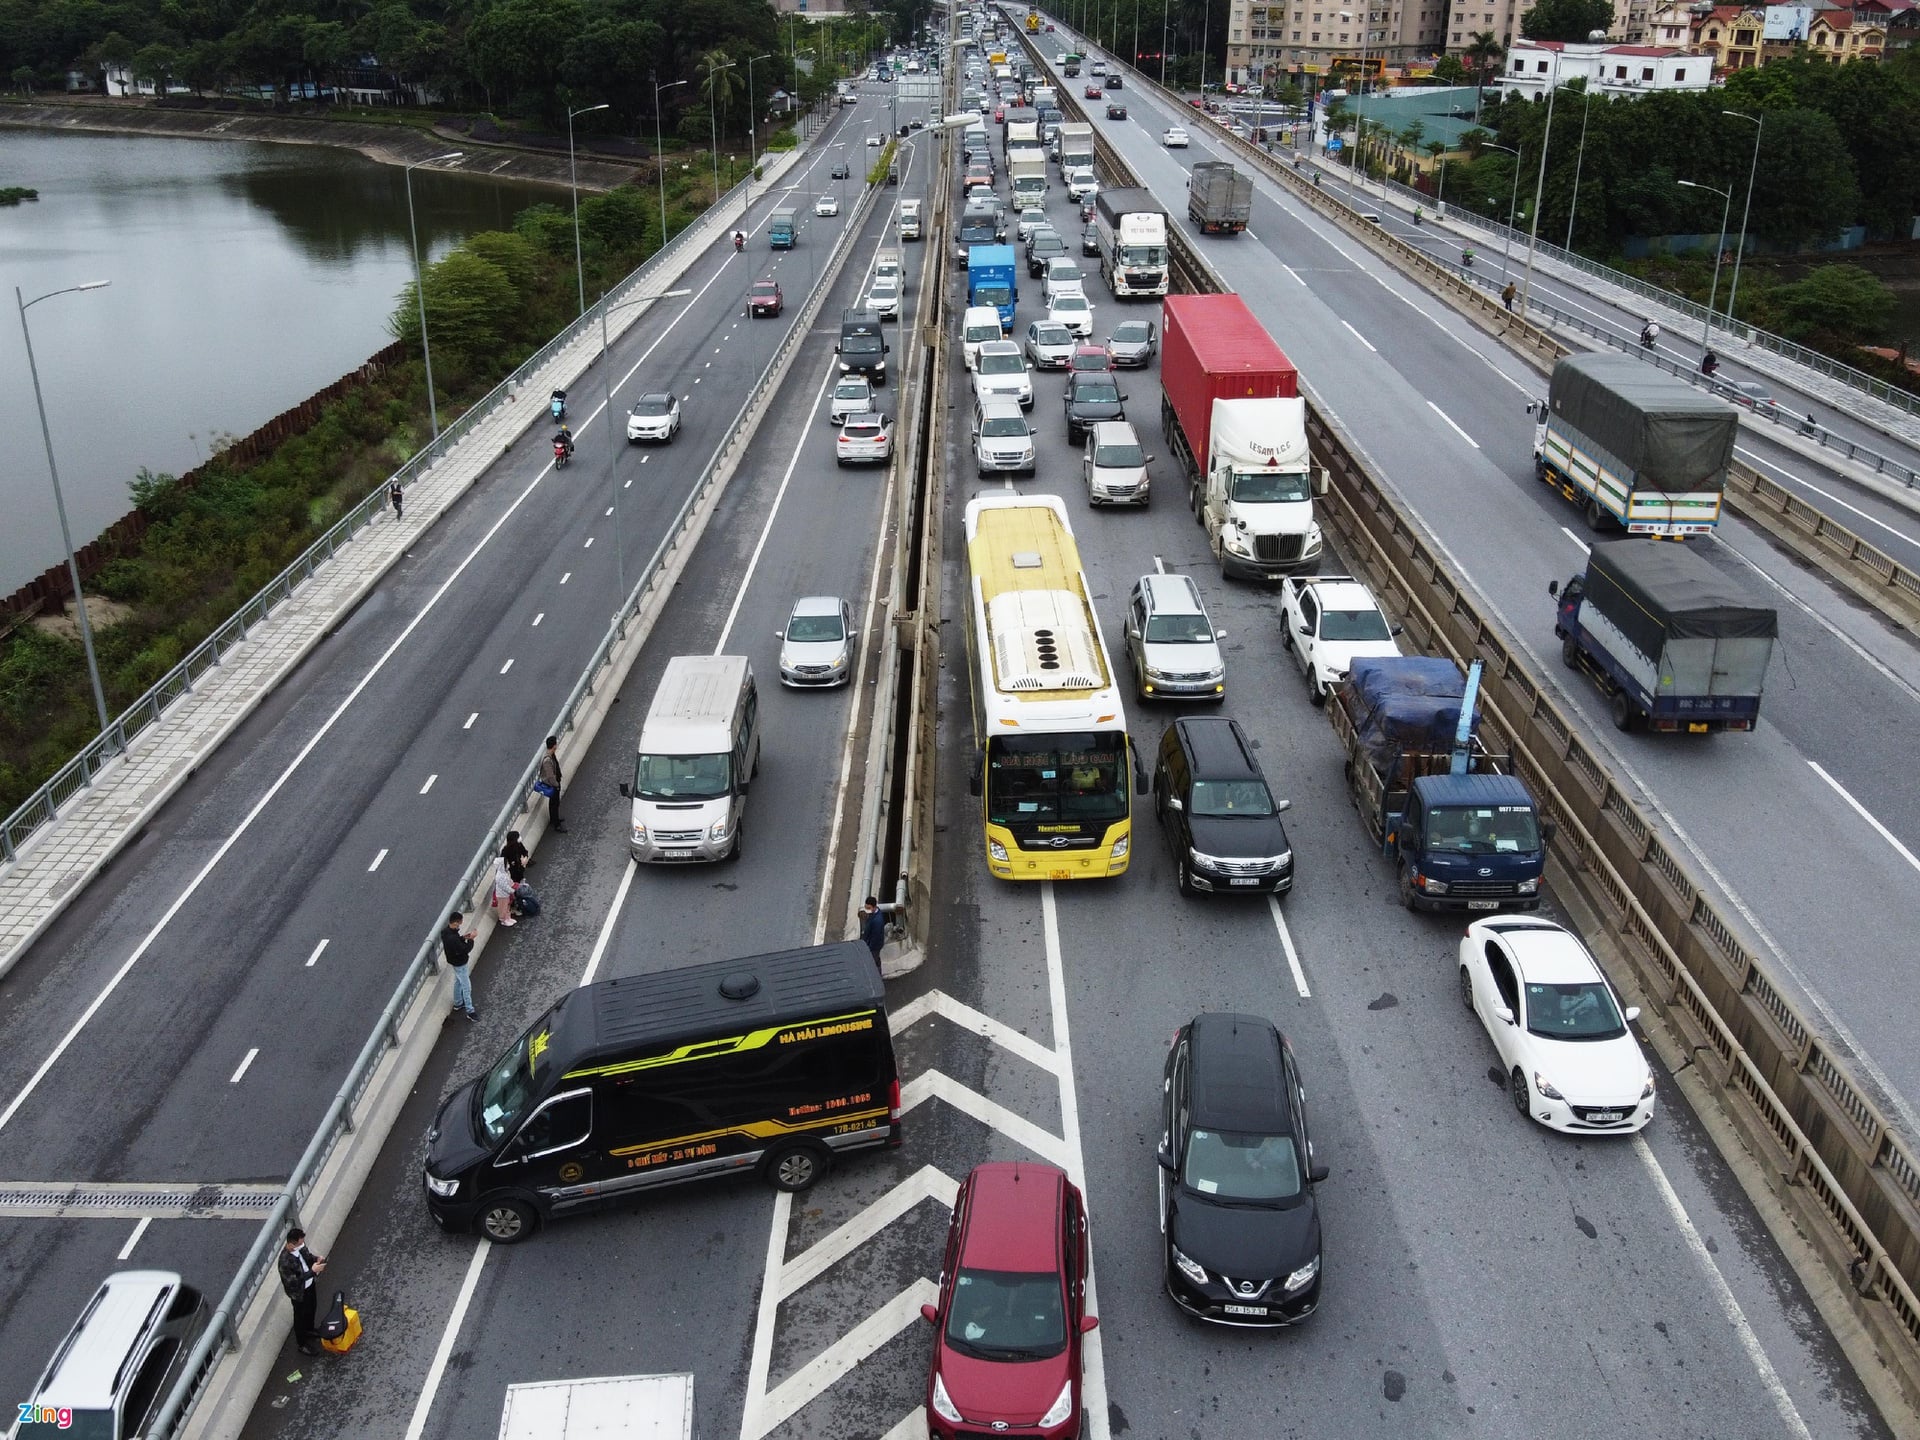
1012,1311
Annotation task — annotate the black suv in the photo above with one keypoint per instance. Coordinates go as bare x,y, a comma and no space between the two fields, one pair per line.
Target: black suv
1044,246
1237,1175
1220,820
1092,396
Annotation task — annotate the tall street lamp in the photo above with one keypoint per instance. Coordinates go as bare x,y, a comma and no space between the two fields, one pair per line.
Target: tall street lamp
59,504
753,120
1746,209
613,440
1539,189
1726,210
420,283
659,160
713,117
573,185
1580,159
1506,241
1359,99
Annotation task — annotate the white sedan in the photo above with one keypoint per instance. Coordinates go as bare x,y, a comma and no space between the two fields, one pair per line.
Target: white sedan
1072,311
826,205
1174,138
1560,1031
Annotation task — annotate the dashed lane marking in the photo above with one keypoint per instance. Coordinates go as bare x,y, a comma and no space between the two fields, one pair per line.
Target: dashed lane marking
318,951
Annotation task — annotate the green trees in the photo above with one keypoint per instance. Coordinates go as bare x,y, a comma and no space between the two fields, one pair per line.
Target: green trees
1566,19
1838,302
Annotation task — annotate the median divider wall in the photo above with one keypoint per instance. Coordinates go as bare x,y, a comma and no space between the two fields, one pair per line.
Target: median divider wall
1834,1164
231,1362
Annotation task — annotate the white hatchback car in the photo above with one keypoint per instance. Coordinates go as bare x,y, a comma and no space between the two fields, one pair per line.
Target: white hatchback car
1174,138
1072,311
816,644
884,298
1049,346
852,395
1031,219
1560,1031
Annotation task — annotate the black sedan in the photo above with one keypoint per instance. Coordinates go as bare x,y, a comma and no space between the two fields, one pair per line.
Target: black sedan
1238,1175
1091,396
1116,111
1044,246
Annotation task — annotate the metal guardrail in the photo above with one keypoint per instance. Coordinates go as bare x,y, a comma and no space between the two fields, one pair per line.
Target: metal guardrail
1792,1090
338,1122
85,767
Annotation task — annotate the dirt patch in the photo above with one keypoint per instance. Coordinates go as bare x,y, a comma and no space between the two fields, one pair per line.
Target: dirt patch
65,622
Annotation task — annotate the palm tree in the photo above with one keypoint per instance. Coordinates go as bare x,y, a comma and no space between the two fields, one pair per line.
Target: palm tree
719,80
1483,53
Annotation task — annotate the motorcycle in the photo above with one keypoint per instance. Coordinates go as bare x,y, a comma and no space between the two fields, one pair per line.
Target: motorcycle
1647,336
739,242
1466,259
558,405
1709,363
562,452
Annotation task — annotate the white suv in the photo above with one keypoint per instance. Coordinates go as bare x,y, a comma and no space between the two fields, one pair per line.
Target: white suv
1171,644
1000,373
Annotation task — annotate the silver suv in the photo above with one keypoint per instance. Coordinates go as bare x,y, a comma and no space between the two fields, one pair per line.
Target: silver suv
1002,439
1171,645
1114,465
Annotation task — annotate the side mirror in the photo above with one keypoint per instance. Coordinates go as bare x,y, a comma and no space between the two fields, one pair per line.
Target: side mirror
1396,629
1174,802
1553,587
929,1314
1033,429
626,791
1318,1173
1503,1014
885,349
1322,480
1219,634
1164,1155
1283,807
1150,459
1633,1012
1307,630
973,774
1088,1323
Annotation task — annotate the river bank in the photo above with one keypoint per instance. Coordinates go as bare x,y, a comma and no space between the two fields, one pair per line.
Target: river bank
389,144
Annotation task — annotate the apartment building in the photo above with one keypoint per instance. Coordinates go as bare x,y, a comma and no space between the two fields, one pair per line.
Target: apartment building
1272,41
1468,18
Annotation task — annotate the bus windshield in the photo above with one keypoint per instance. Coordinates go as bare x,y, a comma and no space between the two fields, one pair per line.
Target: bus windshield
1039,779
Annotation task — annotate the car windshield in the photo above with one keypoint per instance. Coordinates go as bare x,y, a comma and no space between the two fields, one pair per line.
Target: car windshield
1075,303
1033,218
1097,390
1067,273
1231,797
765,288
503,1095
1095,360
1007,1315
984,332
815,629
1128,457
976,232
850,390
1243,1169
1002,364
653,405
1583,1011
1257,486
1483,829
1053,335
682,777
1142,255
1131,332
1004,426
993,294
860,345
1351,625
1049,241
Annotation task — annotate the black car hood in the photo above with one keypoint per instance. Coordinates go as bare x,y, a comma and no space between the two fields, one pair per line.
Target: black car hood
1233,837
1250,1242
1097,409
451,1148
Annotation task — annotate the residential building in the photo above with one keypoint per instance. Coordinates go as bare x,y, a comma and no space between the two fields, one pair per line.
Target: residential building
1617,71
1468,18
1632,19
1272,40
1841,35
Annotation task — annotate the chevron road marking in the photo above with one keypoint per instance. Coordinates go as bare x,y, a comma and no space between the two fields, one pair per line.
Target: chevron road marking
931,1083
813,1378
958,1012
927,1183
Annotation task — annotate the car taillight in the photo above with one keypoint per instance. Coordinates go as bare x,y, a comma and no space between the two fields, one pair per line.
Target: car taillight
893,1101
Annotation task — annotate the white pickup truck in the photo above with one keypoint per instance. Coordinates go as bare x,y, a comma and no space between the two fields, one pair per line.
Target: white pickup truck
1329,621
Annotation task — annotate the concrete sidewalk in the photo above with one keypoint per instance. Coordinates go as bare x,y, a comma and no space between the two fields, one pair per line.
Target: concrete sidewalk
61,857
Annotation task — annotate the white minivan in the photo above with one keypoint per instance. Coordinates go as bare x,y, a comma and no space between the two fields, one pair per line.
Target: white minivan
980,324
699,749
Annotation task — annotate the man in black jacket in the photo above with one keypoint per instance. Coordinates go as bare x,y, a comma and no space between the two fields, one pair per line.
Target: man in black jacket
299,1272
457,945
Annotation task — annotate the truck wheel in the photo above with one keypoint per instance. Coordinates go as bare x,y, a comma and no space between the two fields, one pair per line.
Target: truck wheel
1409,897
1622,708
796,1166
1596,517
1570,654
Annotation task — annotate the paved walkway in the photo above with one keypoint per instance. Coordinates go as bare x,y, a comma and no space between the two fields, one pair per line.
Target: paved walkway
61,857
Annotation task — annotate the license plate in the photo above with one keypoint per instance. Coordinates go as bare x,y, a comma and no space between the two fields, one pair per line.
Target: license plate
1244,1309
1604,1117
1059,874
1483,904
1244,880
1696,727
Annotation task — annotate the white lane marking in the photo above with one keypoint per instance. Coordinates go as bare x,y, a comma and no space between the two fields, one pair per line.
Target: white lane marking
1866,815
429,785
417,1426
1585,549
543,614
508,666
589,544
139,1229
1093,1364
773,513
1251,235
838,1359
1286,943
769,1309
958,1012
1159,568
235,1079
609,511
376,862
1787,477
1449,419
936,1085
1294,273
606,926
569,575
628,485
1723,1293
1370,345
929,1182
318,951
470,719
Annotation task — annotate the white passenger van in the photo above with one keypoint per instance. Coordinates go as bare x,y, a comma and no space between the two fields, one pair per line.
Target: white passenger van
699,749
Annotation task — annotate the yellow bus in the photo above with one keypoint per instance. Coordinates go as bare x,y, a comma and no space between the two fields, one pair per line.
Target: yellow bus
1051,759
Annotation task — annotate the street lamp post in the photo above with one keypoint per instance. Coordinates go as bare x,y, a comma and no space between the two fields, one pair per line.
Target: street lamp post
1359,102
1573,205
659,160
573,185
1506,241
59,503
420,284
753,121
1746,209
613,440
1539,189
713,117
1713,297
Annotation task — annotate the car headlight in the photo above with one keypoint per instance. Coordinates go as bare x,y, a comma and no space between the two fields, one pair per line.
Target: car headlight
1301,1277
1646,1090
719,829
1188,1266
1120,848
1058,1411
839,662
1156,674
844,367
1200,859
1430,885
445,1189
997,851
1234,539
942,1405
1313,540
1283,860
639,834
1545,1087
1528,887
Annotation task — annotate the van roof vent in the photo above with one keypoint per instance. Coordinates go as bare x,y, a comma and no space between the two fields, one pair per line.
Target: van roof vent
741,985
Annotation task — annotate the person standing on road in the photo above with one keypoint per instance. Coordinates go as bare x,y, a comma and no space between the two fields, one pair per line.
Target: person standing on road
457,945
503,893
396,495
547,782
299,1272
515,854
873,927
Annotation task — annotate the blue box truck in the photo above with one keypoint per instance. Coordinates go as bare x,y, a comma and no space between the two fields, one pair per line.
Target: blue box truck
992,279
